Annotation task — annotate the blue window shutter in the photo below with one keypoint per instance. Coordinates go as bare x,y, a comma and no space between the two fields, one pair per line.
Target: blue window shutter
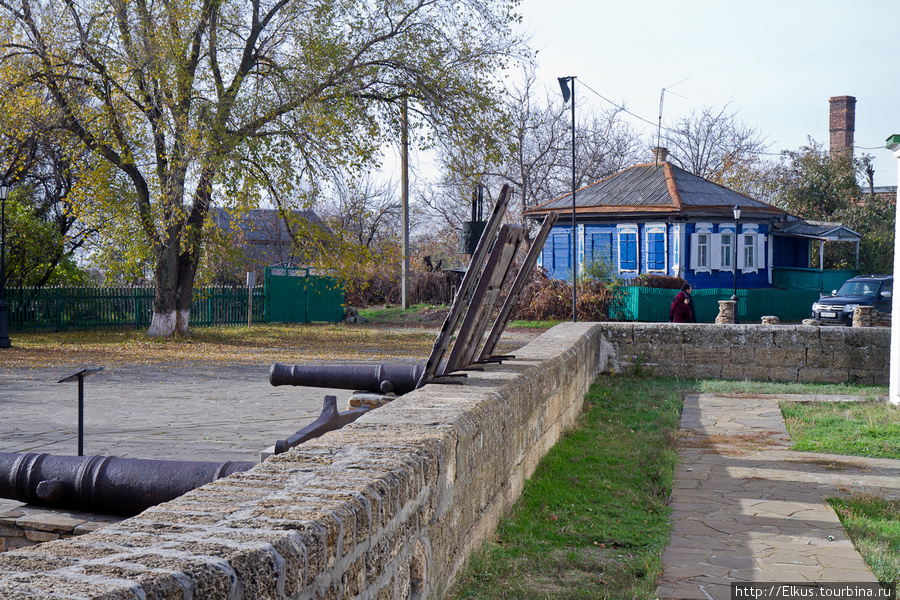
656,251
628,251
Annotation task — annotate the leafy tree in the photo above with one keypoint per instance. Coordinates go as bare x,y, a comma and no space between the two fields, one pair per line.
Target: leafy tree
48,176
815,185
188,100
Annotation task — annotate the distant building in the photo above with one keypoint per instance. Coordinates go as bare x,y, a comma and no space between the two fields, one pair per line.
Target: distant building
260,238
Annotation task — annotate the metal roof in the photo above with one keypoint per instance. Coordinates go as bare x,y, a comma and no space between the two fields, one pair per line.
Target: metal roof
820,230
261,225
653,189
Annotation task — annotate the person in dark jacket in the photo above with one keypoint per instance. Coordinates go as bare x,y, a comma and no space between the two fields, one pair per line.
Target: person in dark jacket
682,309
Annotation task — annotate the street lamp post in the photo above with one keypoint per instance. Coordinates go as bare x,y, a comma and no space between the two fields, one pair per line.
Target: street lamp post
737,217
4,307
564,86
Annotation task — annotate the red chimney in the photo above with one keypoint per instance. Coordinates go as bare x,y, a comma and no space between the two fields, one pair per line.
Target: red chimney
841,123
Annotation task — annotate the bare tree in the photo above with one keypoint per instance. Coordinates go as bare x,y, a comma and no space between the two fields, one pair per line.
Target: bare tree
713,141
365,211
538,159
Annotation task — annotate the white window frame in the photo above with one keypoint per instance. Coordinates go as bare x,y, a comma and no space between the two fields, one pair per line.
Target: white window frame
657,228
626,228
753,244
721,257
701,229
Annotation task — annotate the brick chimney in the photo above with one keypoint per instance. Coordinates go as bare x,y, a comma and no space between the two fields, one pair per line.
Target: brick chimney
841,124
659,155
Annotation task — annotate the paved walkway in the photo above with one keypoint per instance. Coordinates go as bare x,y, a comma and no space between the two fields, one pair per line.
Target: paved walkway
748,509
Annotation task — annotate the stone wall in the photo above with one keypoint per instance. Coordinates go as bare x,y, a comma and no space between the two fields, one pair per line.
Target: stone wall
392,505
757,352
388,507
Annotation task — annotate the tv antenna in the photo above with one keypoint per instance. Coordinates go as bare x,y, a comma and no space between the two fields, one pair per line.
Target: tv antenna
662,95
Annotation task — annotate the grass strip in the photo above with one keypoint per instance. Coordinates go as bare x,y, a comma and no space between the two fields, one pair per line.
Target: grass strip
874,526
870,428
593,520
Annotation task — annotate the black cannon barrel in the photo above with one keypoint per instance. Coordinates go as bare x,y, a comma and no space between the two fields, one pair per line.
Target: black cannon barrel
384,379
105,484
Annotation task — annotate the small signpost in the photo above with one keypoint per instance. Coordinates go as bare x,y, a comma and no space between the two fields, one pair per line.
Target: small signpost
80,375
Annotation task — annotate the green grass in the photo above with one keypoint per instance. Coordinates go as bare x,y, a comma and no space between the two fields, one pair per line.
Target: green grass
533,324
593,520
874,526
869,428
391,313
866,428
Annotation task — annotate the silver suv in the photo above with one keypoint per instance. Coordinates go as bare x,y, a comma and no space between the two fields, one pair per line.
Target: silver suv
863,290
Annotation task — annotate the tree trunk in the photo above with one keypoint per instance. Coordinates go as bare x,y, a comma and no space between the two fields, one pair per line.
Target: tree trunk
166,317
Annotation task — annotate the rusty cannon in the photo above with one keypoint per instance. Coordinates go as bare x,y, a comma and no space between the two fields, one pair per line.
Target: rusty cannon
105,484
379,379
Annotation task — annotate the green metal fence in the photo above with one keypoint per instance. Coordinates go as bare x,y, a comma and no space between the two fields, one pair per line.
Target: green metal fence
65,309
827,280
652,304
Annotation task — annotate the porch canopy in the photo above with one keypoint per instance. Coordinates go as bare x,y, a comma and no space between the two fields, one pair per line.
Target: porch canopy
821,231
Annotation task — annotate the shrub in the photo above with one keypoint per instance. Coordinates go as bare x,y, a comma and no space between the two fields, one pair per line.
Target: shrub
652,280
545,299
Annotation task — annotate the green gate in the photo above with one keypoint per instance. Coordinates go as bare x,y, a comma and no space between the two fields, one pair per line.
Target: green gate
293,295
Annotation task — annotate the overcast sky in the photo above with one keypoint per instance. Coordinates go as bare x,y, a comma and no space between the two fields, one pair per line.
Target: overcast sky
777,61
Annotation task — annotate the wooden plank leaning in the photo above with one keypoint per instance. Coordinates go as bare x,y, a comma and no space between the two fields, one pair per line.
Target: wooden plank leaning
464,293
512,299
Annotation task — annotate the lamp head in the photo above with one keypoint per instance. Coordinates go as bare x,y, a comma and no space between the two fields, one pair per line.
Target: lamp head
893,142
564,87
737,212
4,190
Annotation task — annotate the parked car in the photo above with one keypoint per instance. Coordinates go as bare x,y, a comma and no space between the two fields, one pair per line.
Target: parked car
863,290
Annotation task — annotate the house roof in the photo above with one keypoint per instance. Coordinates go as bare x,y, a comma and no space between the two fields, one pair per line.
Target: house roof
262,225
819,230
655,189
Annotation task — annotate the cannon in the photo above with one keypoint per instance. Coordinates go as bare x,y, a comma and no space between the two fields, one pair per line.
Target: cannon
329,420
105,484
383,379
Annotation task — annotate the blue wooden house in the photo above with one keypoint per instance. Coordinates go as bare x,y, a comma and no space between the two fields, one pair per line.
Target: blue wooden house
658,218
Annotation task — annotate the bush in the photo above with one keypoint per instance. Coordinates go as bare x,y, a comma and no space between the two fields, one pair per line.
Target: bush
651,280
435,288
545,299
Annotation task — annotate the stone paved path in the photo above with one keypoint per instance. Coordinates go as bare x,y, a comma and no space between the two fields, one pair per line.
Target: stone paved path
748,509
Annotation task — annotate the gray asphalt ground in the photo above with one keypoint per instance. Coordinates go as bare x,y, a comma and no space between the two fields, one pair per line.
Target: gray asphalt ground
164,411
168,411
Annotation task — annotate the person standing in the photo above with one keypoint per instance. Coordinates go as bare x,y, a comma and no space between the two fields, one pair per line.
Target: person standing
682,309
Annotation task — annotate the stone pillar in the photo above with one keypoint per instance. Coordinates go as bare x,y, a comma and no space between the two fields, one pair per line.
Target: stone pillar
862,316
726,312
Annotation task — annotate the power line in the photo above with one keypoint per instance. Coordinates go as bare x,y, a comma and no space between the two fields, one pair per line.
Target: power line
667,129
622,108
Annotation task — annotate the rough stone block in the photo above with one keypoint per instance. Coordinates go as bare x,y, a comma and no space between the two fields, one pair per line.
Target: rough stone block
49,522
819,357
40,536
706,356
779,357
786,336
821,375
770,373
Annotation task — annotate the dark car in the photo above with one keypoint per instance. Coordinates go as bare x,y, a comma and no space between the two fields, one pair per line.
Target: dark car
864,290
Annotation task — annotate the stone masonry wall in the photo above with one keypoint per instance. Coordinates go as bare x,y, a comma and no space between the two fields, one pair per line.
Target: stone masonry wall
388,507
392,505
757,352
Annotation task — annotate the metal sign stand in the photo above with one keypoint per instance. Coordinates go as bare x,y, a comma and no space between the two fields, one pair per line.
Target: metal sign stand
80,375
